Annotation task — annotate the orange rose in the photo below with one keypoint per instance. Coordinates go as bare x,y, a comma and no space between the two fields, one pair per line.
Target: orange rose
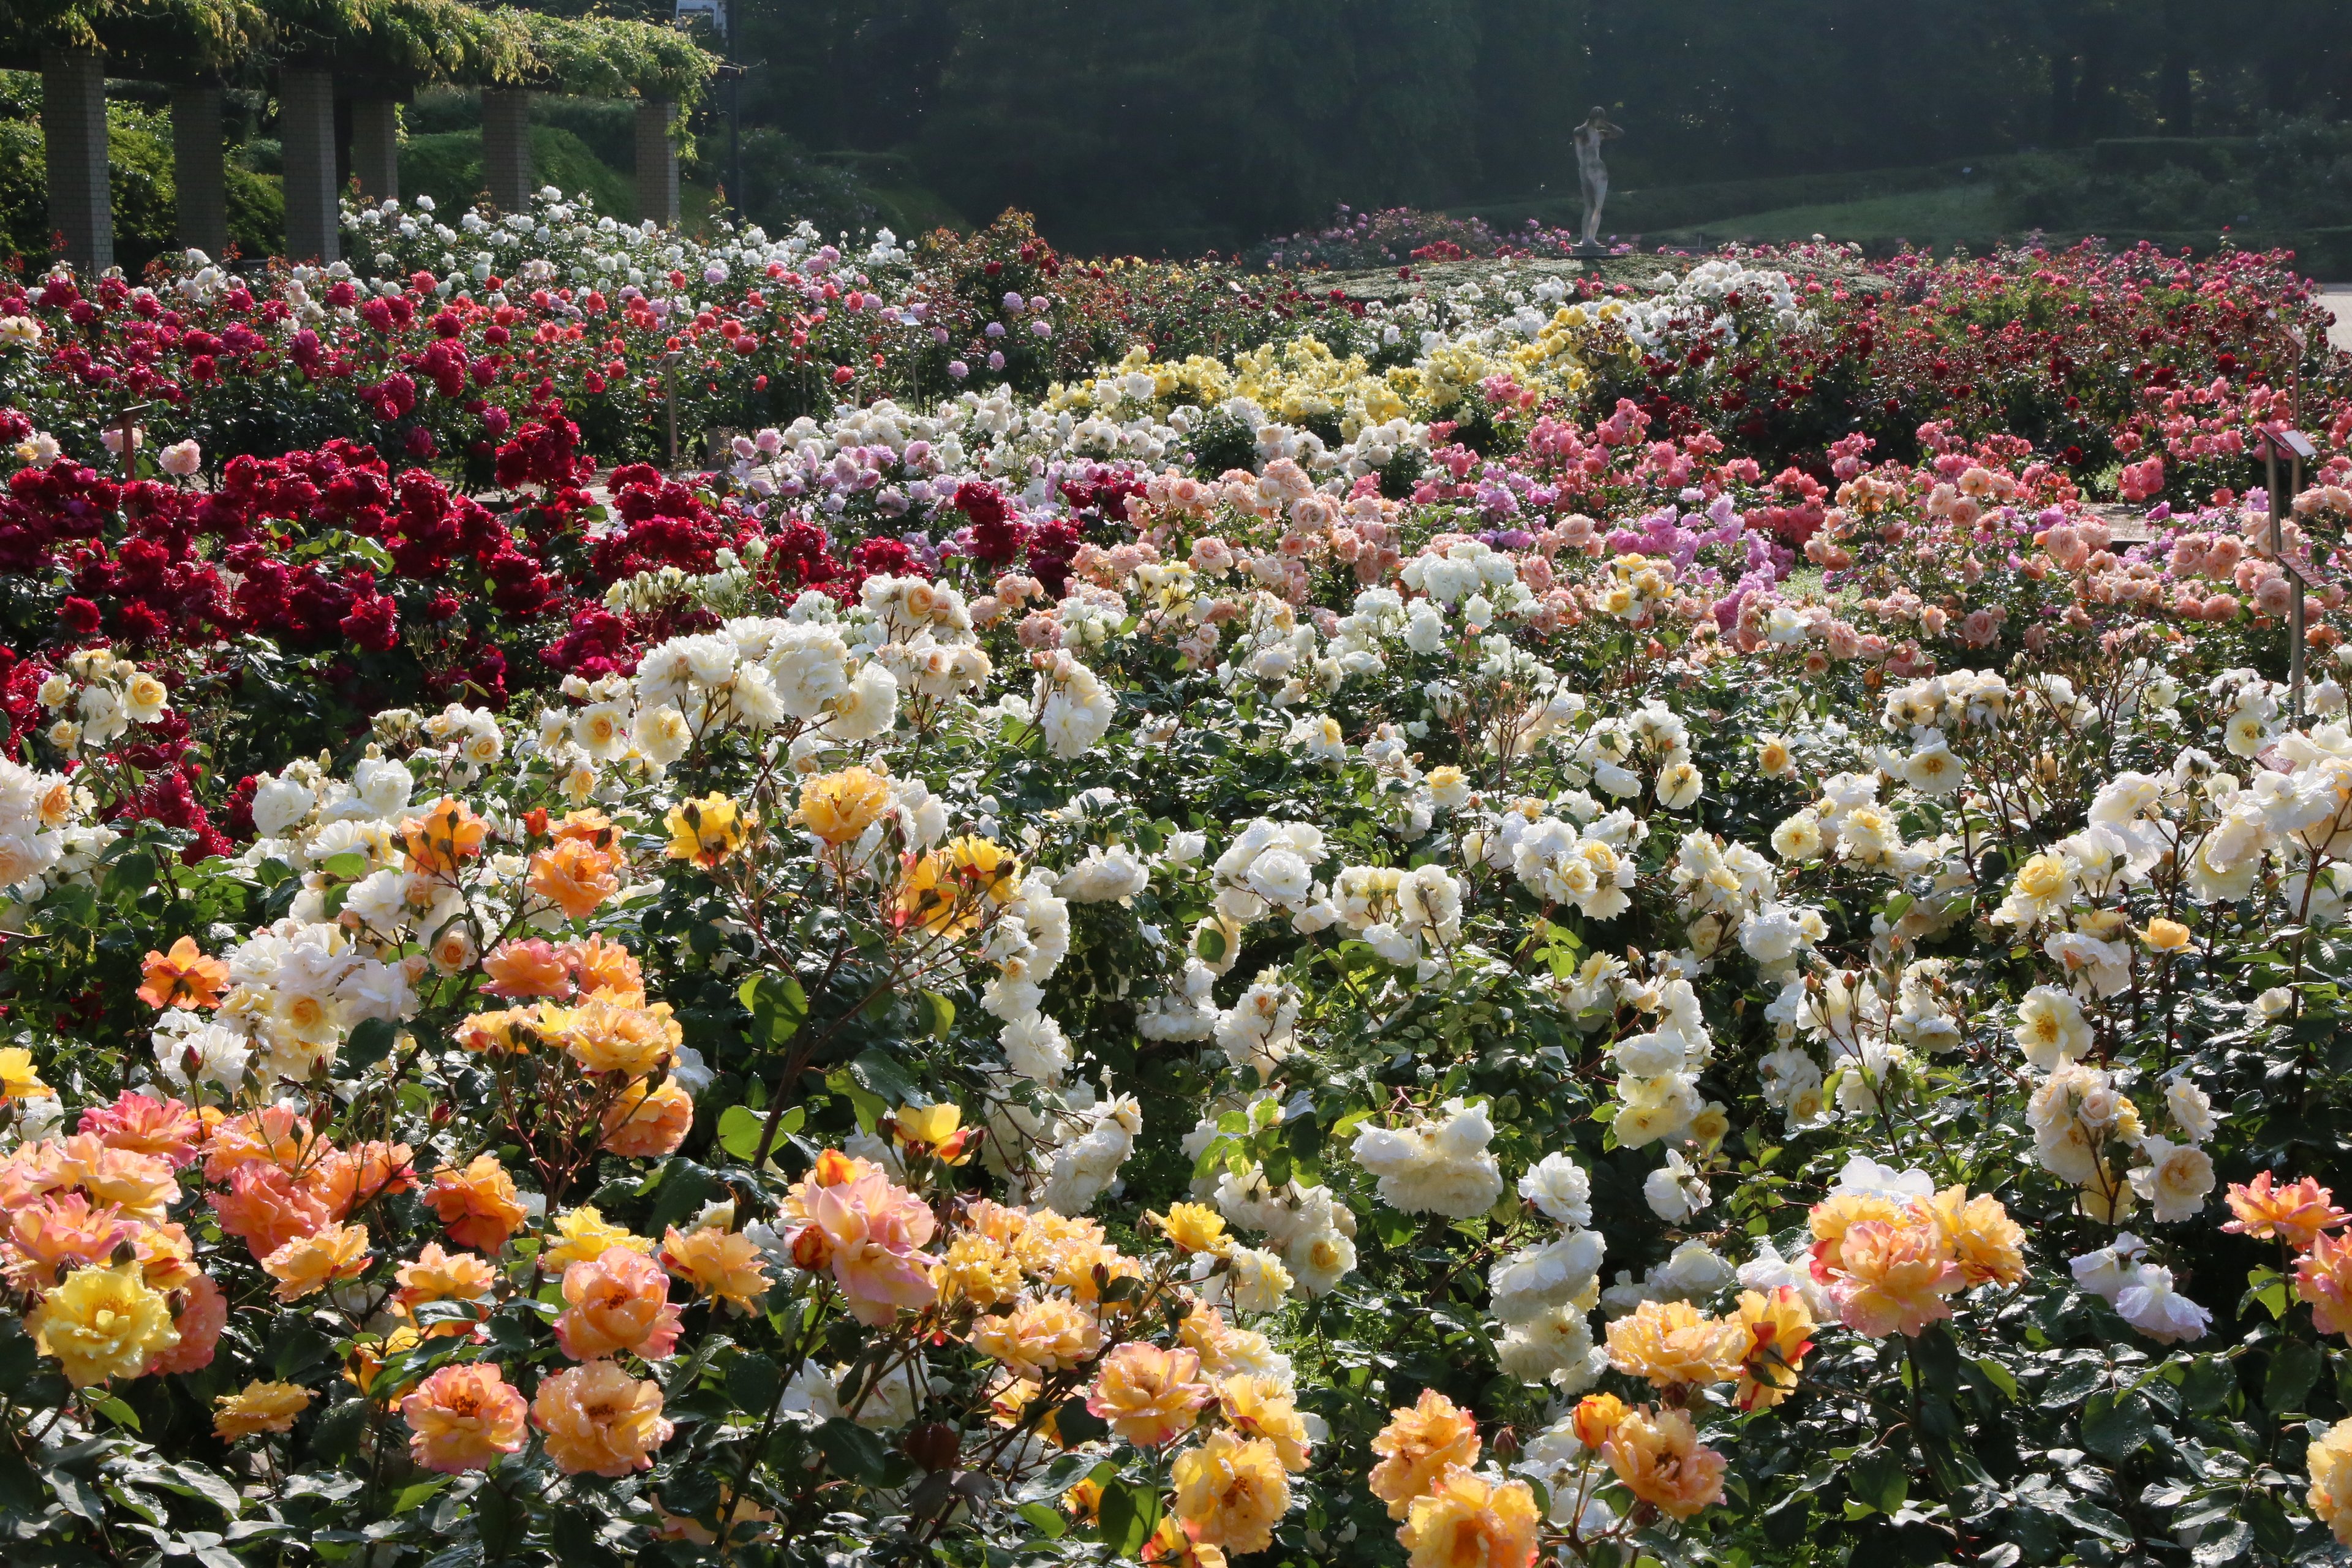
183,977
607,968
1417,1446
574,876
526,969
444,838
266,1207
2295,1213
1656,1454
1465,1521
464,1418
720,1263
1149,1395
478,1204
645,1123
599,1419
439,1276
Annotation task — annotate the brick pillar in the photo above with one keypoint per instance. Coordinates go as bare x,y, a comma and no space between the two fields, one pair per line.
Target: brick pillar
656,164
73,139
376,146
306,124
506,148
197,172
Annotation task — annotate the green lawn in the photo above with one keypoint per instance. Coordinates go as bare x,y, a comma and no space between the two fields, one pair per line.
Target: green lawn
1952,214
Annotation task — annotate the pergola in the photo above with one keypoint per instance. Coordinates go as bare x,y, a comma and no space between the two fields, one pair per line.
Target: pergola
367,56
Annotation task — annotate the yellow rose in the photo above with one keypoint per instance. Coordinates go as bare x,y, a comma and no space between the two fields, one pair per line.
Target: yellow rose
838,807
1229,1493
260,1407
19,1079
1194,1228
102,1323
2165,936
706,831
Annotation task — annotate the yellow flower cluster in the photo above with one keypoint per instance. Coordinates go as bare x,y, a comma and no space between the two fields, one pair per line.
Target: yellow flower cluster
1303,380
1761,1346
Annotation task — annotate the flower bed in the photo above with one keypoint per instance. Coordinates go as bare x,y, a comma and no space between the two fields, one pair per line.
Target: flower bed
1556,918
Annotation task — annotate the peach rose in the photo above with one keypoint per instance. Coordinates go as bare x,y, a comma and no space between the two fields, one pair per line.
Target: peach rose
1419,1443
308,1264
720,1263
203,1314
1149,1395
645,1122
599,1419
533,968
574,876
619,1301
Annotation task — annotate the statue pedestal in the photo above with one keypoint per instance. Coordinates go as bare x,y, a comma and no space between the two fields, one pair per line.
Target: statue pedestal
1587,251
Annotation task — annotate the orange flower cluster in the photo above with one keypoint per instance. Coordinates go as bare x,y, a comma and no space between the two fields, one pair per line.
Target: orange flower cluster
1654,1452
70,1207
1762,1346
446,837
276,1184
1893,1264
1454,1517
594,1010
2300,1214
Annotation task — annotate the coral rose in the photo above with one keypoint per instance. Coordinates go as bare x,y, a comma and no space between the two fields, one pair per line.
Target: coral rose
478,1205
619,1301
2295,1213
1896,1277
464,1418
203,1314
527,969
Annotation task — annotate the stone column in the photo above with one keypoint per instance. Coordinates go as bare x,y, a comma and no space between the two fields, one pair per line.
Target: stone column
198,170
376,146
73,139
506,148
656,164
306,125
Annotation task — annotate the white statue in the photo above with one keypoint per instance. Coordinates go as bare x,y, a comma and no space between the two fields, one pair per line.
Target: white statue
1591,173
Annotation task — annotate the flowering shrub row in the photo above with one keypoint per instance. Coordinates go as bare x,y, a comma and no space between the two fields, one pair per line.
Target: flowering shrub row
1334,947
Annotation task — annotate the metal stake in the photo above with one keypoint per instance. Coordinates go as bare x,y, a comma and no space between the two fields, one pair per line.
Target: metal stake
127,423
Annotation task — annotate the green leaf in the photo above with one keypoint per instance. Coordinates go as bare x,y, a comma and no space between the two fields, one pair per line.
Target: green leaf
753,1382
1129,1514
371,1041
943,1014
740,1126
778,1005
337,1436
880,1072
2114,1427
2208,1384
1878,1480
114,1410
414,1497
854,1453
2295,1367
350,866
1046,1518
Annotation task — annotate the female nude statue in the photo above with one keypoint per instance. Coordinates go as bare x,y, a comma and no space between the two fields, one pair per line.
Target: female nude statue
1591,173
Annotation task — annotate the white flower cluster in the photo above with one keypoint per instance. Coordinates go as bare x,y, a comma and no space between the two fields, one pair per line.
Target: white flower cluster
2141,1292
1540,1294
1310,1235
296,989
45,832
1438,1167
97,697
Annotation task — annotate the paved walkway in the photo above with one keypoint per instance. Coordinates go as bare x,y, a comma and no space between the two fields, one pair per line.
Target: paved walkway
2340,301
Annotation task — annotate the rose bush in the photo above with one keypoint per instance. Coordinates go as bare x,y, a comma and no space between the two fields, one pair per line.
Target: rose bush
1421,933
